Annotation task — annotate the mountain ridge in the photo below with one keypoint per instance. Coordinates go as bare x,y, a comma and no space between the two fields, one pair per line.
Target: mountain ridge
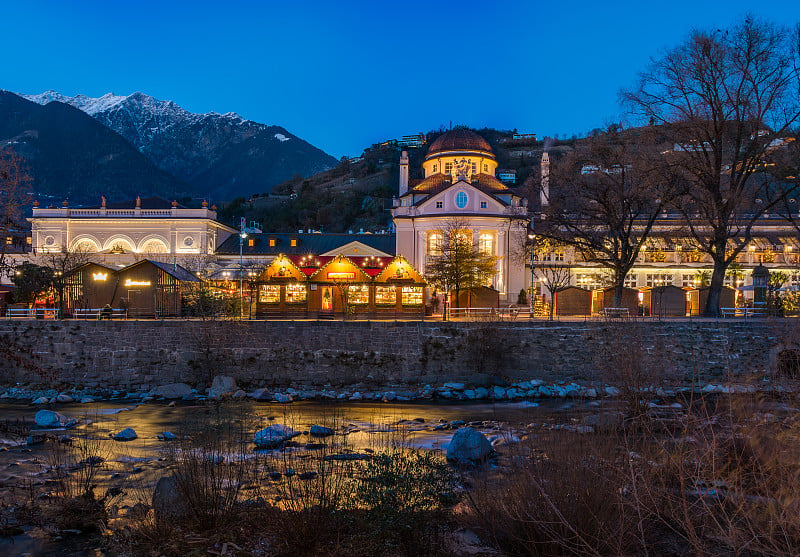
220,155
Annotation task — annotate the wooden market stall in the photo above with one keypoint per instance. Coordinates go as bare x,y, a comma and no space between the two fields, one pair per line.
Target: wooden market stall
665,301
699,297
604,298
327,287
398,291
282,290
90,286
572,301
153,289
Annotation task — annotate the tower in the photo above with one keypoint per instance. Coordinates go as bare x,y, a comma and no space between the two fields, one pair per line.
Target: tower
403,173
544,194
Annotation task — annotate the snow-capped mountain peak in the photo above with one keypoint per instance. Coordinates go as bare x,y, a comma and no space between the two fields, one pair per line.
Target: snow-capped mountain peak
212,151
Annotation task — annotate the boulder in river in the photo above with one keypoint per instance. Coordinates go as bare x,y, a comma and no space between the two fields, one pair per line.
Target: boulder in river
468,445
168,501
127,434
261,394
50,419
171,391
321,431
274,436
222,386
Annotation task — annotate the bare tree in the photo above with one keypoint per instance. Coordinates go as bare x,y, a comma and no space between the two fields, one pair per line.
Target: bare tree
458,264
724,100
556,278
14,195
605,198
61,263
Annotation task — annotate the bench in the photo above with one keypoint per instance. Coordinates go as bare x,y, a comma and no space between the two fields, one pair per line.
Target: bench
747,313
32,313
615,312
97,313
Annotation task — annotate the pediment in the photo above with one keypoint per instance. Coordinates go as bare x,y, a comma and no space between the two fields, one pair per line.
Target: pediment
459,193
356,249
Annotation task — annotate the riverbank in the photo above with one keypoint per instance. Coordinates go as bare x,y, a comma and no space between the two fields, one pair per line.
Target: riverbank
377,479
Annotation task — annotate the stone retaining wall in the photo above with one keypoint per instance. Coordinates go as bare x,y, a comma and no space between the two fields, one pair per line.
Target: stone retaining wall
143,354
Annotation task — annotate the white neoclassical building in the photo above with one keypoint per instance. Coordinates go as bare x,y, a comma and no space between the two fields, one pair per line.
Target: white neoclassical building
140,227
460,184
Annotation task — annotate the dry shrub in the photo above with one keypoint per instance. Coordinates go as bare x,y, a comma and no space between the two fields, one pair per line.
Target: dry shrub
75,464
729,484
632,364
560,496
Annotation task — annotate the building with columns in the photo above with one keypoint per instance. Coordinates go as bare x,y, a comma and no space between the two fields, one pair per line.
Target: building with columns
128,230
460,184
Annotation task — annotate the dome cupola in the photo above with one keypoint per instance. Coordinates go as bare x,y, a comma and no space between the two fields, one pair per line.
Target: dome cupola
459,154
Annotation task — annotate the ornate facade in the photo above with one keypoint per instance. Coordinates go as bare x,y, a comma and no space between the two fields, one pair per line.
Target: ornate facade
152,226
460,185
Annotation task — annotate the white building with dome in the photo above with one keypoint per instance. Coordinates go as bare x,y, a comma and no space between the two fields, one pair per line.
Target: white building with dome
460,184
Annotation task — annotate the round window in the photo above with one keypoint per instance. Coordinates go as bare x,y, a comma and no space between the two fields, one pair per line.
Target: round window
461,200
188,241
49,241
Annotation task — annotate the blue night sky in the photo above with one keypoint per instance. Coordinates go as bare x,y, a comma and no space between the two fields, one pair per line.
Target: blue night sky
343,75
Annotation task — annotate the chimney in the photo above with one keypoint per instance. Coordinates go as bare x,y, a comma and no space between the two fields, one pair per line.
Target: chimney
403,173
544,194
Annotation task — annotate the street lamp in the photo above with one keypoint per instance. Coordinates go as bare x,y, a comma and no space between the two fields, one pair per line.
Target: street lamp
242,236
531,238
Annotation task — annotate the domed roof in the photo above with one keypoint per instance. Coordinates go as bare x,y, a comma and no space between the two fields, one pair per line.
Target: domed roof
459,140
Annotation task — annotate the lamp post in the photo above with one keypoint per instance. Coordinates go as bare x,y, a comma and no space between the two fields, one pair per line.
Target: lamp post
242,236
531,238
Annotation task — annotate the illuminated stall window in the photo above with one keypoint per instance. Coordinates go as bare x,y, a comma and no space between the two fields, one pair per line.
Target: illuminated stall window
385,295
269,294
412,296
359,294
295,293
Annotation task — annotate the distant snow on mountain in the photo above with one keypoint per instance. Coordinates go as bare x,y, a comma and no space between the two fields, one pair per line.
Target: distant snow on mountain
223,154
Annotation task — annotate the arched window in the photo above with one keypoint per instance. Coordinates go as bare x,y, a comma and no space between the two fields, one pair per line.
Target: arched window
85,246
154,246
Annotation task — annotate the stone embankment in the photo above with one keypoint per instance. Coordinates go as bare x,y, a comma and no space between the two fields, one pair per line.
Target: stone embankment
409,359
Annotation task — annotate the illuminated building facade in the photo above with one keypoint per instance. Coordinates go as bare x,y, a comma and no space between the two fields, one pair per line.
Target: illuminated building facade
126,231
460,186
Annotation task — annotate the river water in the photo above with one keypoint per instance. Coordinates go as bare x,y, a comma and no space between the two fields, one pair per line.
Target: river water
359,426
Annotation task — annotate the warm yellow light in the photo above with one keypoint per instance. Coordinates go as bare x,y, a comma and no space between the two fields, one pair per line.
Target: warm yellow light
341,275
99,276
129,282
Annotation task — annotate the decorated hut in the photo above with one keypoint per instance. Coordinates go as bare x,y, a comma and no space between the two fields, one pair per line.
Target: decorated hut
399,291
665,301
340,287
153,289
91,286
282,290
326,287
